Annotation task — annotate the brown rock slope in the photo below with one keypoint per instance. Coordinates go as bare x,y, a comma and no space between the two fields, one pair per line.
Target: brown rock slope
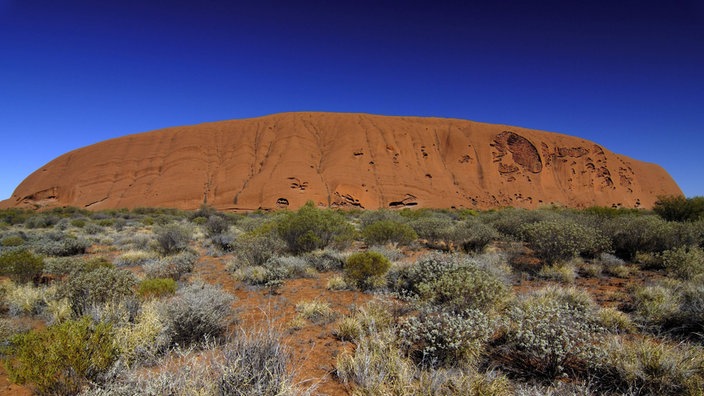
343,160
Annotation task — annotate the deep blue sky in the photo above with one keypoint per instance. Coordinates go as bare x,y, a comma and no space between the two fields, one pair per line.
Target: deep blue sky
628,74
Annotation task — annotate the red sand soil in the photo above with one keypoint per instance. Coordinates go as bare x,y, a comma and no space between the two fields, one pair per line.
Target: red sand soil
9,389
313,347
343,160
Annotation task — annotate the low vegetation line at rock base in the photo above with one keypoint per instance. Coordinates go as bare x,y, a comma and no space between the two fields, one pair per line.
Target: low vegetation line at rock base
552,301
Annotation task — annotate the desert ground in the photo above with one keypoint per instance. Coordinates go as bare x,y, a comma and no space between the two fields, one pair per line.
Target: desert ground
316,301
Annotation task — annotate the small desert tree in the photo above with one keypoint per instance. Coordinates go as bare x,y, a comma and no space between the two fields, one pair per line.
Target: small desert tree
364,269
311,228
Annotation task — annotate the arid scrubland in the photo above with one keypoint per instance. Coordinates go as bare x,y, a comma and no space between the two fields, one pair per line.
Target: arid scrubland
552,301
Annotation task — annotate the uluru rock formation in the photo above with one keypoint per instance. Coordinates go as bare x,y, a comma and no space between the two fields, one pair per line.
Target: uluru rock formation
343,160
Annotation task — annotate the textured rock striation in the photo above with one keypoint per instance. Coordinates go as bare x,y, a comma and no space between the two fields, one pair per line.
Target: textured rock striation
343,160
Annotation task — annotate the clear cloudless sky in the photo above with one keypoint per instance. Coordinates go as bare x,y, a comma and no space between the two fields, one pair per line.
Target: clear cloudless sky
627,74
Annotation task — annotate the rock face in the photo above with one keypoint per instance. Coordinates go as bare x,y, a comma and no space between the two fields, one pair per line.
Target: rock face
343,160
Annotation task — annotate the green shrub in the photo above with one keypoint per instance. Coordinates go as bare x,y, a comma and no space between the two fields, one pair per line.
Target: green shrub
454,281
62,246
21,265
198,311
311,228
472,236
93,229
684,262
326,260
87,289
174,266
608,212
156,287
258,275
679,208
43,220
427,269
369,217
173,238
12,241
78,223
255,248
361,268
14,216
291,267
548,339
388,231
62,358
511,221
200,220
434,229
106,222
639,233
465,287
258,221
561,240
60,266
216,225
434,339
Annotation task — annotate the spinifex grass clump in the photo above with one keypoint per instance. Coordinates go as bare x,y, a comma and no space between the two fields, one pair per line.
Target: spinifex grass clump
316,311
676,307
649,367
